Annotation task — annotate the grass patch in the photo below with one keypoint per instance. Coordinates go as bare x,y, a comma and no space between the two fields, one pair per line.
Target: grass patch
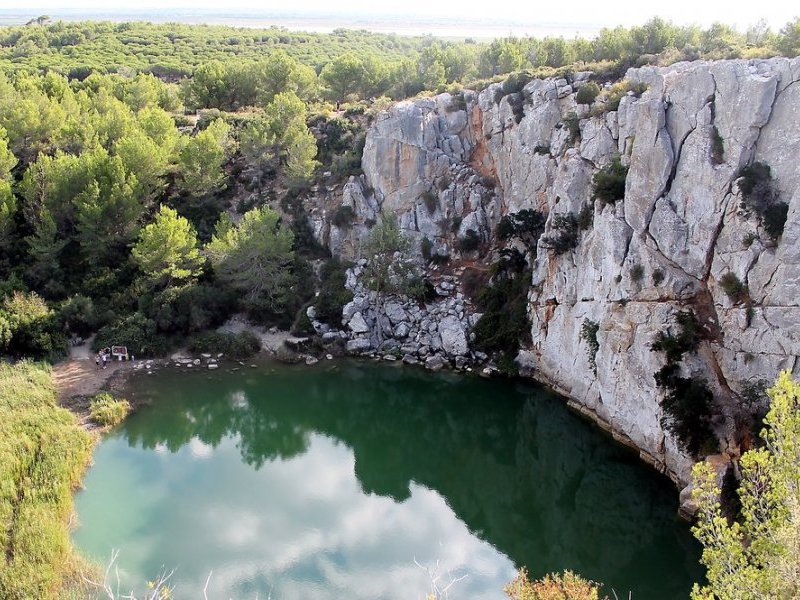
43,454
108,412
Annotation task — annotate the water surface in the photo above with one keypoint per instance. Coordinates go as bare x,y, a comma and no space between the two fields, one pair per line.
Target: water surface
355,480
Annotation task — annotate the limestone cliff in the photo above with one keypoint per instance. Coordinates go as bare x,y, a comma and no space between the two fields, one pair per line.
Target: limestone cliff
446,166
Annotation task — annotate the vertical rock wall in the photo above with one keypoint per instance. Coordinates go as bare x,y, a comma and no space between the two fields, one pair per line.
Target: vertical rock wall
445,170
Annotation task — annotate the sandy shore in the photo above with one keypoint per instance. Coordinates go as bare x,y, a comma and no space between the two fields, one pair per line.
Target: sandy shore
77,378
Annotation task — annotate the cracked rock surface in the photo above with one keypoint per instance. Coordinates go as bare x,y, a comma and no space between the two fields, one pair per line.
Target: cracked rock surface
681,219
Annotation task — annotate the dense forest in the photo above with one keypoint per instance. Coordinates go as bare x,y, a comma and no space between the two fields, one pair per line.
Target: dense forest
152,175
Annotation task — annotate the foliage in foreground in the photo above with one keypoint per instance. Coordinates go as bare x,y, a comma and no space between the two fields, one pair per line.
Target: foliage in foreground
555,586
43,454
757,556
108,412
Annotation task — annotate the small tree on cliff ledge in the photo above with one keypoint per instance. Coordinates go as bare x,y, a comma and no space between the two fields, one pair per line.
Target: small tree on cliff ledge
758,556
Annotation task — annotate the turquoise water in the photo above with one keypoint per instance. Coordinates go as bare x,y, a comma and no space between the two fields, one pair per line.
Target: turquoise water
355,480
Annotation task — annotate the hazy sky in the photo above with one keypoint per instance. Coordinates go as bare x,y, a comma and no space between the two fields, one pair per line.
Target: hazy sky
578,12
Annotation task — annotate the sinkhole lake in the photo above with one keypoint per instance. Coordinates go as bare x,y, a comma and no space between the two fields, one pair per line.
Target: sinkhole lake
355,480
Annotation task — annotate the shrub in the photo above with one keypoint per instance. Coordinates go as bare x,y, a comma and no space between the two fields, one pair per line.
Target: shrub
658,277
589,331
573,125
135,331
469,243
774,219
108,412
717,147
687,340
749,238
232,345
527,224
333,294
734,288
344,216
542,149
430,200
517,104
554,586
426,247
567,237
457,102
760,196
687,406
587,93
585,218
301,326
514,83
609,182
473,281
636,273
504,323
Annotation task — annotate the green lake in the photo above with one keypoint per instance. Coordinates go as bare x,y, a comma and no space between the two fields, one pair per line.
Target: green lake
355,480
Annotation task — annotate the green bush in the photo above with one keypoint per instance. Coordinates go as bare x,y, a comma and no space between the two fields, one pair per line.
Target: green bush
609,182
658,277
687,407
573,125
734,288
473,282
344,216
333,294
717,147
774,219
589,331
526,224
760,196
430,200
302,324
566,238
232,345
587,93
504,323
469,243
426,248
108,412
135,331
674,346
637,273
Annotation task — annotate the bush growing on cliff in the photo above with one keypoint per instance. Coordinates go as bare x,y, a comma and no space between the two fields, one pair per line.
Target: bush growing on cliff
587,93
688,402
717,147
504,323
589,331
469,243
343,217
760,196
573,125
333,294
734,288
687,406
609,182
567,236
527,225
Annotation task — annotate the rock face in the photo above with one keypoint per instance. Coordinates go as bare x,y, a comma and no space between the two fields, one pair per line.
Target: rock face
445,170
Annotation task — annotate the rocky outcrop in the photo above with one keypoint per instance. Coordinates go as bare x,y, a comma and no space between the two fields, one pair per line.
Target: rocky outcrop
445,170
